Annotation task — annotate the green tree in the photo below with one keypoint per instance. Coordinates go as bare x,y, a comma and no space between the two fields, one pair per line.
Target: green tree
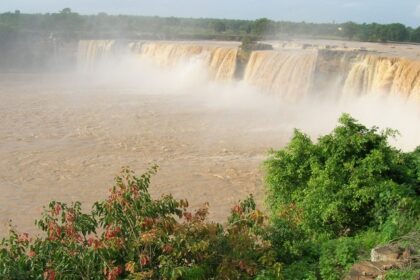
352,179
218,26
66,11
415,35
397,32
333,200
349,30
262,26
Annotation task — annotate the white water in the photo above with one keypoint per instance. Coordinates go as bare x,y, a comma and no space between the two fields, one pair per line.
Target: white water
268,70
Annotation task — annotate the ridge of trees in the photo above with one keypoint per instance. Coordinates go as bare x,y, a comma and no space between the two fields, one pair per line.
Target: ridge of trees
71,25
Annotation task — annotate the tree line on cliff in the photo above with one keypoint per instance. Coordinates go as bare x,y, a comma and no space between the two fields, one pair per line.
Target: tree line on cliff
70,25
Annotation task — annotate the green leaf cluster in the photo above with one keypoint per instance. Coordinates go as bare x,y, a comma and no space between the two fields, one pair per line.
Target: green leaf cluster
333,200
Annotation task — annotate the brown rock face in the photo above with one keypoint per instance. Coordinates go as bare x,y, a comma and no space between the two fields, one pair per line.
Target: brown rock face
386,253
383,259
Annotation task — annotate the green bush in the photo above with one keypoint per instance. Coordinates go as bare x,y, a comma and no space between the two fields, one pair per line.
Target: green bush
338,255
332,201
349,181
406,274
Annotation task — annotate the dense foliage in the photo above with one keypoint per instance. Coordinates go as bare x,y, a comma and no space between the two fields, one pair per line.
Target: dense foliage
341,196
329,202
67,24
349,181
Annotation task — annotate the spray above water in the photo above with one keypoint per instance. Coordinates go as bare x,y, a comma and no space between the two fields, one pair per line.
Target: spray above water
283,87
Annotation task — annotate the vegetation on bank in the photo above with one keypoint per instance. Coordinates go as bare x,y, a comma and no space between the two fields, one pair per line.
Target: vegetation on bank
332,201
329,203
69,25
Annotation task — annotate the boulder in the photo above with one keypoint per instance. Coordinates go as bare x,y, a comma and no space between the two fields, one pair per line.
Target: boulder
386,253
383,258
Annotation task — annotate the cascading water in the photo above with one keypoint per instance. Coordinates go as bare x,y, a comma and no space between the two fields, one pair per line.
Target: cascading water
220,61
223,63
286,73
289,74
90,52
384,75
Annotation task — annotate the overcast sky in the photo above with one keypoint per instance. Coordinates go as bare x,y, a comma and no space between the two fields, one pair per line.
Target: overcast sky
382,11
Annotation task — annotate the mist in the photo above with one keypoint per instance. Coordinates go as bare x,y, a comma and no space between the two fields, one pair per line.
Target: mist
315,114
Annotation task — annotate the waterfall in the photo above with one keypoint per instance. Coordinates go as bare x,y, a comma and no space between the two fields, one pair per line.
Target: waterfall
383,75
223,63
90,52
288,74
220,61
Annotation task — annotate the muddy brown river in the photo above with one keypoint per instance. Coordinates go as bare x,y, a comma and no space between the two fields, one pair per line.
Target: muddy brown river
64,141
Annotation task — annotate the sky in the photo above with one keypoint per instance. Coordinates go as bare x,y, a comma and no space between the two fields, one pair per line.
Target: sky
381,11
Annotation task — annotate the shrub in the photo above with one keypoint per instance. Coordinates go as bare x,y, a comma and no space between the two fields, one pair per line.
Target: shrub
130,235
406,274
332,201
349,181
